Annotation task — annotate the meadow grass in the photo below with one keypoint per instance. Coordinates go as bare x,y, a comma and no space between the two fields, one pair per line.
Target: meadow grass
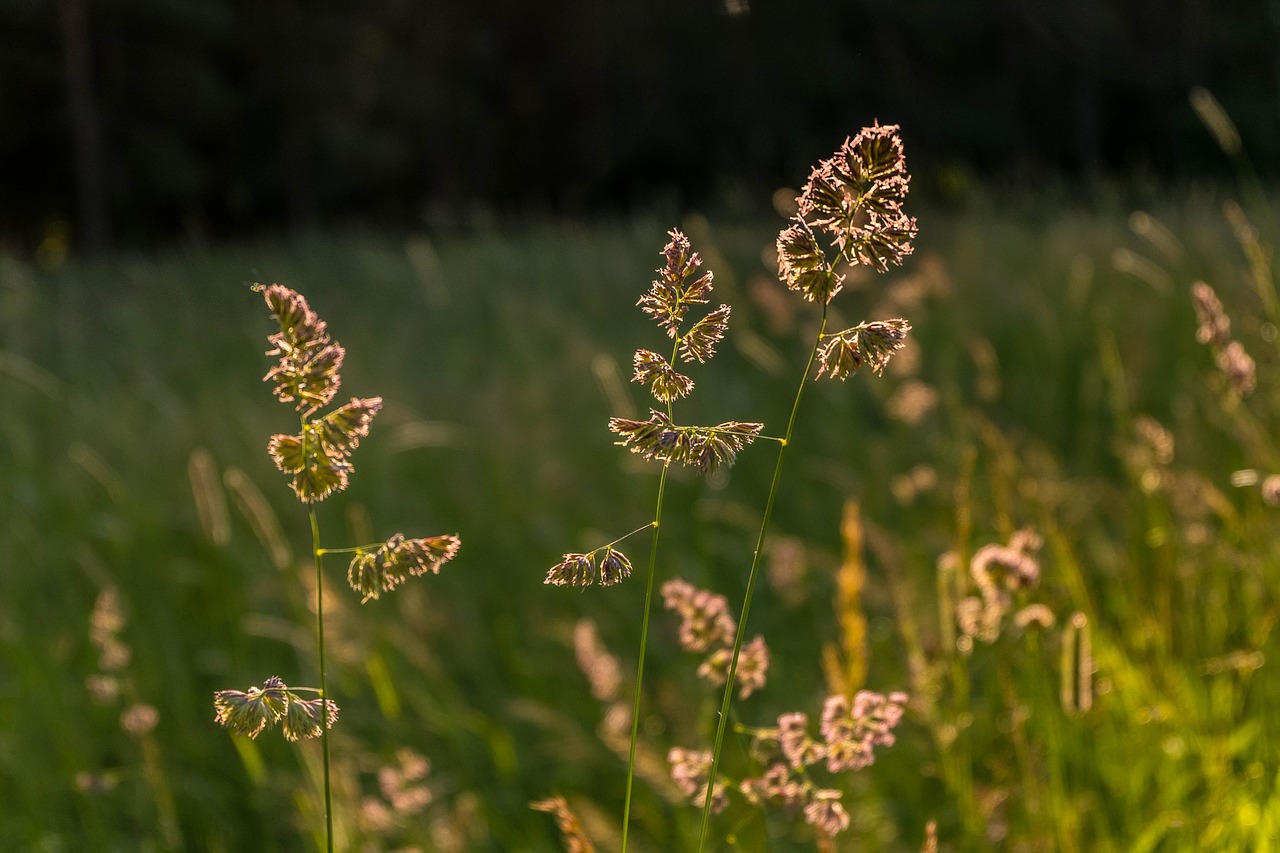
497,354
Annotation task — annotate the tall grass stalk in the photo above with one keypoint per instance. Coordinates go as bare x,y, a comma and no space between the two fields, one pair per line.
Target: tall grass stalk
854,199
644,623
680,285
752,576
317,555
644,644
317,460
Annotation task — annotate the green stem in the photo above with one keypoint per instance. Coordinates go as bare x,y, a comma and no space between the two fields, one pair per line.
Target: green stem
752,576
324,692
644,644
352,550
626,536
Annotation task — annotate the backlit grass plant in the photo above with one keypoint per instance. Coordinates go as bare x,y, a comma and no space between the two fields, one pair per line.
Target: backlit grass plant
849,214
317,461
680,285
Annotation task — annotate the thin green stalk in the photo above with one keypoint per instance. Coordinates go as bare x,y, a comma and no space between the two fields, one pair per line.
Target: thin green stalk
644,644
324,690
752,576
644,628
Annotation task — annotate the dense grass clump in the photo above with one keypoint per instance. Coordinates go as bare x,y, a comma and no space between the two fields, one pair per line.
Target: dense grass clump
1052,408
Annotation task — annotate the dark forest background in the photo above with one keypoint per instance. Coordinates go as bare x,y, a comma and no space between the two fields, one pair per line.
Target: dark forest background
148,121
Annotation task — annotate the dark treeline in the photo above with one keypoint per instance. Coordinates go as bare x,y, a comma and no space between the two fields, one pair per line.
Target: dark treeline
144,120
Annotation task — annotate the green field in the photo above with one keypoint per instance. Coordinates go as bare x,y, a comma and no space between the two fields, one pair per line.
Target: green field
1048,338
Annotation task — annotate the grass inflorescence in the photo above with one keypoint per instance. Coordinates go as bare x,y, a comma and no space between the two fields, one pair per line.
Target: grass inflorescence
318,462
1116,698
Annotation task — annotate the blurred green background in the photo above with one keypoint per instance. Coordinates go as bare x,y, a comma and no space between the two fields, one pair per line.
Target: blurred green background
1042,334
474,198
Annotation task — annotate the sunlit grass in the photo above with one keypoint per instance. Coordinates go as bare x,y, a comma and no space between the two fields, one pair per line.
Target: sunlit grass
1043,349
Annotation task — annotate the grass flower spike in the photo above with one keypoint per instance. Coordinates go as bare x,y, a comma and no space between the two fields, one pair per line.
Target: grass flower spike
372,573
680,285
873,343
605,566
703,448
250,712
317,460
850,212
677,286
309,361
856,198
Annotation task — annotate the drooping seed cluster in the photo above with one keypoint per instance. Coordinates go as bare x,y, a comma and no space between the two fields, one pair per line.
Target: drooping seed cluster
250,712
372,573
840,355
703,448
605,566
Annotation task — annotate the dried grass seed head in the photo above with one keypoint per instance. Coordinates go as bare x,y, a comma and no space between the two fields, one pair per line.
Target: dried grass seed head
803,265
856,197
677,286
307,372
303,718
699,343
396,560
874,343
606,566
318,456
664,381
248,713
703,448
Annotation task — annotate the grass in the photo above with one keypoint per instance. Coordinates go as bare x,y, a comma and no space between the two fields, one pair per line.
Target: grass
494,353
